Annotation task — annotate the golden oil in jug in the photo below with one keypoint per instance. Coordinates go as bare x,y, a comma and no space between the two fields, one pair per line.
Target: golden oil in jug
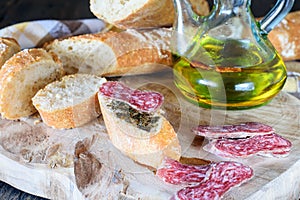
225,60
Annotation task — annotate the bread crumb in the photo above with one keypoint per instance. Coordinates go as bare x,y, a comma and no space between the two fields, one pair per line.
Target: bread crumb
37,121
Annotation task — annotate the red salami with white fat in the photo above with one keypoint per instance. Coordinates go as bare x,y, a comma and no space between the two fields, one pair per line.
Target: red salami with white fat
266,145
179,174
222,177
233,131
145,101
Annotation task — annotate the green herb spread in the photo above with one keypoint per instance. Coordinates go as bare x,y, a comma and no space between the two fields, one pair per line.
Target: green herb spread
142,120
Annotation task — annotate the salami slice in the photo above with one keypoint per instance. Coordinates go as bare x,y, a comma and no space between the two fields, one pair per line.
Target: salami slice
233,131
145,101
222,177
266,145
179,174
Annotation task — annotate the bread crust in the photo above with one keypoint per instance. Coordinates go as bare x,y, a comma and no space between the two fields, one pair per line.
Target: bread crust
139,54
152,14
14,74
8,47
148,149
286,37
73,116
130,52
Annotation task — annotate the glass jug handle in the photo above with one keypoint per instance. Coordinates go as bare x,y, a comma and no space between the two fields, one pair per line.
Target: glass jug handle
275,15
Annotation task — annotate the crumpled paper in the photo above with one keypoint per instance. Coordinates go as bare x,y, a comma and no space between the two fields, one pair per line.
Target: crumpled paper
35,33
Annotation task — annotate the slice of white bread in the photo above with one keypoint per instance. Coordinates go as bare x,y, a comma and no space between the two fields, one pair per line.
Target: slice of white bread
8,47
115,53
140,13
70,102
147,138
22,76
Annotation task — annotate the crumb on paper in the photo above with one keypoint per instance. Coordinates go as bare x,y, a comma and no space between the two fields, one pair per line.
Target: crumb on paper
61,160
291,84
37,121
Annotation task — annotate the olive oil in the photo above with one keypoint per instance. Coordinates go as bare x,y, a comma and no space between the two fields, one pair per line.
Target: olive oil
229,75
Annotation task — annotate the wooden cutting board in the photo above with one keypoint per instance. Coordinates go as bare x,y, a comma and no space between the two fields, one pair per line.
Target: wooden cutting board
82,163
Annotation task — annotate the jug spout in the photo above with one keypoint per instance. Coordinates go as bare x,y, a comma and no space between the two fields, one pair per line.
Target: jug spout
186,25
185,15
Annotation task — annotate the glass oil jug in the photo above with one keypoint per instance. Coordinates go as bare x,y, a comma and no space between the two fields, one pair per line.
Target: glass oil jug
225,60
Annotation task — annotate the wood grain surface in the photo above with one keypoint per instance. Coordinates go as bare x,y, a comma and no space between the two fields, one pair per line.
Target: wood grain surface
82,163
15,11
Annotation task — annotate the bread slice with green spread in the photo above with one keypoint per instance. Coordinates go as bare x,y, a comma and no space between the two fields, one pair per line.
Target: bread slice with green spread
135,124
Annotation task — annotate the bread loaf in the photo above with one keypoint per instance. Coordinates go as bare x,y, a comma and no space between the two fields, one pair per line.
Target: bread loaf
115,53
70,102
8,47
144,136
140,13
286,37
133,52
22,76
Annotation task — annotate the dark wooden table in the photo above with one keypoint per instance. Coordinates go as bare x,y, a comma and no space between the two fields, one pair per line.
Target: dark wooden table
15,11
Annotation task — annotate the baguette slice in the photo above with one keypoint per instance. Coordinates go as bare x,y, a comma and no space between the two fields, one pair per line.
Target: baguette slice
286,37
127,128
141,13
69,103
8,47
115,53
22,76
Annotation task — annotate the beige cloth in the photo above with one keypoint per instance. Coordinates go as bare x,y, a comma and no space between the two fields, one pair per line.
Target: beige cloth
35,33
